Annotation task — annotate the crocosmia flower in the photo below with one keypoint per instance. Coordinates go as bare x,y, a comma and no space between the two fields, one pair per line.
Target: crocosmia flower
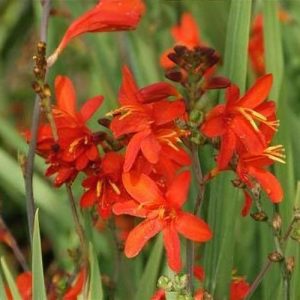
104,184
148,118
76,147
237,121
107,15
162,213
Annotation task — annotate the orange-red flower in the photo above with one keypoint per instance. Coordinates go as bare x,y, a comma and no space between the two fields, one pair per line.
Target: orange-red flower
24,285
256,42
239,288
107,15
187,33
256,46
141,117
76,147
238,121
104,185
162,212
252,168
77,286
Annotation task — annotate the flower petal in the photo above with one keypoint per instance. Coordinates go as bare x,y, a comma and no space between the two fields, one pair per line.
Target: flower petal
269,183
258,92
231,95
252,140
130,207
90,107
133,149
172,246
214,124
193,228
228,145
171,111
247,204
128,93
65,94
107,15
88,198
188,32
142,188
157,92
140,235
151,148
177,193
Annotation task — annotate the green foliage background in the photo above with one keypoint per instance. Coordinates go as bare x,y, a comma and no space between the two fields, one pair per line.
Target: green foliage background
94,63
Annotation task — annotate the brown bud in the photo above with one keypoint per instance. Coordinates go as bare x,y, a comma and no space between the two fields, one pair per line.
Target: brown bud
174,75
104,122
36,87
41,48
174,58
275,256
290,264
259,216
180,50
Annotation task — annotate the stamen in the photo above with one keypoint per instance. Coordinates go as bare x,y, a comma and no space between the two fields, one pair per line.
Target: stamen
115,188
99,188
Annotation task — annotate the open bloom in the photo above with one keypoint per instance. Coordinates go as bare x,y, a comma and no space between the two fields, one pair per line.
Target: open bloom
252,168
162,212
141,118
104,185
238,121
107,15
76,147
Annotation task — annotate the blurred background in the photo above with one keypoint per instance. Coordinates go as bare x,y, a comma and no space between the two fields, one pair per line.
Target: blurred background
94,63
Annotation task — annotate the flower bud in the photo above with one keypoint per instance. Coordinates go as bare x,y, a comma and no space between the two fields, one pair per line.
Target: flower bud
164,283
275,256
259,216
290,264
277,221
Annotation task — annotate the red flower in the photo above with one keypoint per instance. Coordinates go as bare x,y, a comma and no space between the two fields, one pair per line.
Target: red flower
235,122
187,33
140,117
104,185
24,285
239,288
77,286
256,46
76,147
107,15
252,167
163,213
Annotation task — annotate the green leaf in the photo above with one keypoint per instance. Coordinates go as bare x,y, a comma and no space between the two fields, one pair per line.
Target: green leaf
10,280
223,208
147,284
273,46
38,285
95,285
2,289
236,47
